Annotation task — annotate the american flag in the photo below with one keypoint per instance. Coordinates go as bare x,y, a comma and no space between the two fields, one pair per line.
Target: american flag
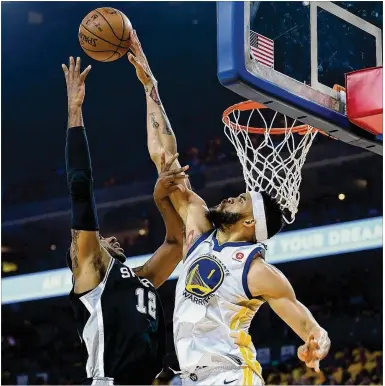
262,49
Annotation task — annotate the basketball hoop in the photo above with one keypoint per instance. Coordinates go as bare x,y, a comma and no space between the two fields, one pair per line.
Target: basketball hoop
271,157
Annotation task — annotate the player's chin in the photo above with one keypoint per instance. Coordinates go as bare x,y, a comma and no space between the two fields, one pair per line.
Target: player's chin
220,207
118,253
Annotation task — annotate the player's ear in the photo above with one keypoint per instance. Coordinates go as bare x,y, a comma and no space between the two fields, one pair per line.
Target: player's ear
249,223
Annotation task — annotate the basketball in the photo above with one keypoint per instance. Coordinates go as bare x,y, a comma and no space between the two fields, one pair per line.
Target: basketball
104,34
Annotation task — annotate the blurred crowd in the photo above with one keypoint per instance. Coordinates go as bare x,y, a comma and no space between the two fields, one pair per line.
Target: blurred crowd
357,366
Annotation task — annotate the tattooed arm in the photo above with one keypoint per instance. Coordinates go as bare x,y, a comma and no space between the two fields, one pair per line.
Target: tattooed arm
160,138
158,126
84,221
159,131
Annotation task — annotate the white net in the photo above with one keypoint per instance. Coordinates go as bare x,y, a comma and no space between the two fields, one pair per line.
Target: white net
270,162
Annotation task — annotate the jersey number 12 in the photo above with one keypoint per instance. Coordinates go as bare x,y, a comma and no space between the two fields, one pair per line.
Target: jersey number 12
151,303
140,293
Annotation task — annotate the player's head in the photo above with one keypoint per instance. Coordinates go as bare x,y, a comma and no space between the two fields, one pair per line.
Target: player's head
111,245
257,216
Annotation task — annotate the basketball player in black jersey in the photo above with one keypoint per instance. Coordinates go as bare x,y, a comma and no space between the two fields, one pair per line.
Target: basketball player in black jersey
117,310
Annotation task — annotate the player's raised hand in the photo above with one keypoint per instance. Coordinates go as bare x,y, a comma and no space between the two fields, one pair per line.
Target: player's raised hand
139,60
316,347
75,81
141,71
168,179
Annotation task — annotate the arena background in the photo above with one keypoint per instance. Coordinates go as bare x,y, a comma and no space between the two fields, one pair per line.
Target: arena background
333,259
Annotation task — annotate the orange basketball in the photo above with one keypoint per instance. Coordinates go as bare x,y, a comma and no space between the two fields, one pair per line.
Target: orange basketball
104,34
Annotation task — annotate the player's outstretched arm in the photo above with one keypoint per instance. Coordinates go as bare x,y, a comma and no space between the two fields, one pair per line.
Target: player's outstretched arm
160,138
159,131
84,221
268,282
166,258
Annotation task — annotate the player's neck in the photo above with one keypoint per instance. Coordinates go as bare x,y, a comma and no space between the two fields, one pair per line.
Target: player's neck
231,235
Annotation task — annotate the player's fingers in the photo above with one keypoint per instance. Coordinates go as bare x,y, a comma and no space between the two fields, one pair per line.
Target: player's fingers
310,364
172,177
84,74
180,170
141,62
171,161
177,171
316,366
303,353
133,42
310,339
136,39
180,177
135,35
77,67
71,67
65,70
133,60
302,357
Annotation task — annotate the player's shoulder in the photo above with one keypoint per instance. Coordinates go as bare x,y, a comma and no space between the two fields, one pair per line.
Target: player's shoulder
264,277
260,266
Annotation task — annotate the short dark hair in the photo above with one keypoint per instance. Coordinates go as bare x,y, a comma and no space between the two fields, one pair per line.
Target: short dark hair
274,215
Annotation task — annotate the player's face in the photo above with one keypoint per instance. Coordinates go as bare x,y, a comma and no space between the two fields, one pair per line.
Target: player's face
111,245
241,204
232,211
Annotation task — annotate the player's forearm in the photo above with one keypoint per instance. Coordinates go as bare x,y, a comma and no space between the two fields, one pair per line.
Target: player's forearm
157,119
308,325
160,136
79,178
75,117
161,265
172,221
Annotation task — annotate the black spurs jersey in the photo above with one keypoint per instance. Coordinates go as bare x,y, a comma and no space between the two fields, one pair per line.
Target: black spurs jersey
121,327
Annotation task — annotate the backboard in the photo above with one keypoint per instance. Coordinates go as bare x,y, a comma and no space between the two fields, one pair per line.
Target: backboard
289,55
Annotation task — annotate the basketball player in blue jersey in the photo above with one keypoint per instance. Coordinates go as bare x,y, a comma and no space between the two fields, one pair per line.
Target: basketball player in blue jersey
117,310
225,277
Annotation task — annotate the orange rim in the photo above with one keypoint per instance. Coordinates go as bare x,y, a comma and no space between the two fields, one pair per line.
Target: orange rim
251,105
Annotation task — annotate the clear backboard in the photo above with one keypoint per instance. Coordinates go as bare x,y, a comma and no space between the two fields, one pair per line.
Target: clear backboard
290,55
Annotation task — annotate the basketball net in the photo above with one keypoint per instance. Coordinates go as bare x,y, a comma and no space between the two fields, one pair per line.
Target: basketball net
271,158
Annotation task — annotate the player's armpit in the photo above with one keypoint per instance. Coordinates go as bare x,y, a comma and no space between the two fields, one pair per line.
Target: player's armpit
161,265
84,245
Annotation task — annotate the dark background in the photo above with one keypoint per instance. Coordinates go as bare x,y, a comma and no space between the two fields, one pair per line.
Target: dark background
180,42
